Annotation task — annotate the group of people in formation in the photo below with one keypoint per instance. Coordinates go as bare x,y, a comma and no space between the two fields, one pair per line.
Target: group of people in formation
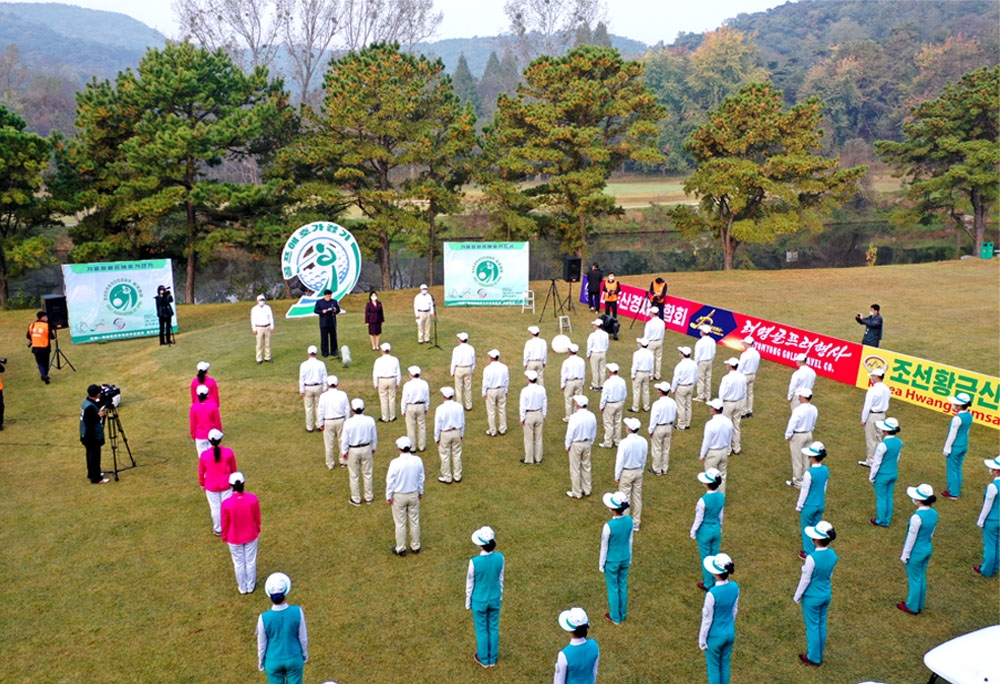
351,439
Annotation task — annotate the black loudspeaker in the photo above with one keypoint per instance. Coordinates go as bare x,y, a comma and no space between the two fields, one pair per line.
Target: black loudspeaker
571,269
55,307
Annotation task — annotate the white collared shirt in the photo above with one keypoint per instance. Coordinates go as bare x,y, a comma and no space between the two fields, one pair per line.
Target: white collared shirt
718,434
536,349
642,361
804,377
533,398
261,317
416,391
685,373
386,366
876,400
312,372
423,303
749,361
582,427
654,329
614,390
463,355
449,416
496,375
663,412
733,386
573,368
405,475
803,419
598,341
359,429
632,451
704,348
333,403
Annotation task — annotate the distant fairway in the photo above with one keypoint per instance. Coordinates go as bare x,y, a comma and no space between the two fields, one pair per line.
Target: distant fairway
125,582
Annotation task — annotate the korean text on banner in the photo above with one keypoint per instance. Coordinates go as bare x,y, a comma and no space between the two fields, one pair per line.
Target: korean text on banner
114,301
485,273
633,303
930,384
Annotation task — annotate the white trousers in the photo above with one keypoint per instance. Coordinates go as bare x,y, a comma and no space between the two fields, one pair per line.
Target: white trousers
245,565
215,500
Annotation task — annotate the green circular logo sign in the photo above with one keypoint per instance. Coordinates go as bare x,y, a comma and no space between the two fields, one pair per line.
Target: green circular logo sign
324,256
487,271
123,296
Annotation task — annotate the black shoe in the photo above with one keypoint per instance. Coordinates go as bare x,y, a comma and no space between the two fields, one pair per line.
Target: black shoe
748,415
45,380
267,360
414,551
399,553
353,502
259,362
632,410
524,462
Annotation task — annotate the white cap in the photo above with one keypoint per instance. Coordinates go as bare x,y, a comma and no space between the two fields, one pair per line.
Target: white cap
581,400
404,443
820,530
493,353
663,387
573,347
312,350
448,392
534,329
705,328
732,361
278,583
385,346
413,370
214,435
597,321
686,351
423,286
709,476
633,424
801,357
612,367
531,375
643,342
202,390
261,298
814,449
717,564
992,463
921,492
804,392
717,404
357,403
889,424
463,336
203,365
877,372
332,380
573,618
615,500
654,309
749,340
236,477
484,535
961,399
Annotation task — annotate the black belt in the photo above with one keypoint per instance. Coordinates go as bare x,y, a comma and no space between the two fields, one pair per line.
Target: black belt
686,384
531,410
358,446
423,310
493,388
416,402
336,418
800,432
262,326
313,384
449,430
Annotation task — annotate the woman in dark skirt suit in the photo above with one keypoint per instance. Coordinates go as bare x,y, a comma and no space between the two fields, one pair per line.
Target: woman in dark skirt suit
374,317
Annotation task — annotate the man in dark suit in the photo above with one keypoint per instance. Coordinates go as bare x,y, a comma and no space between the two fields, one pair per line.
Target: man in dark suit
327,310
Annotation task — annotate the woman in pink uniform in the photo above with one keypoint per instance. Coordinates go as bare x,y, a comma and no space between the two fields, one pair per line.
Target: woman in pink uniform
203,417
215,465
240,529
203,378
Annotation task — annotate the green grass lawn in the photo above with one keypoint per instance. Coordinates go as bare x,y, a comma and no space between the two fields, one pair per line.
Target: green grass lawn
125,582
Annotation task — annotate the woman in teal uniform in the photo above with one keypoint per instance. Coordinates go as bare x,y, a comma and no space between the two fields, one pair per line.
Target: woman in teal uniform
989,520
483,595
707,527
812,493
956,444
616,555
918,548
282,642
885,470
814,590
577,663
718,618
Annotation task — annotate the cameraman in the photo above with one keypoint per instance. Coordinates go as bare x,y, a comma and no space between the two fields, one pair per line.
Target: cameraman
2,369
165,313
92,433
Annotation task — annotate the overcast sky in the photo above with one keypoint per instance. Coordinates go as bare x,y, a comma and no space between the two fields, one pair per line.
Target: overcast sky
647,20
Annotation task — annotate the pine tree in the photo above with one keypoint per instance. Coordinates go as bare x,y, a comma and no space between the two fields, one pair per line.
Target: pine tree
465,83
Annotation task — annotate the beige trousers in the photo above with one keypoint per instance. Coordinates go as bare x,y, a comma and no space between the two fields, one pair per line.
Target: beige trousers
683,397
704,380
718,458
630,485
311,400
333,429
406,507
387,398
496,408
463,386
598,368
640,384
800,462
748,402
263,344
656,346
360,462
450,450
533,422
416,425
872,435
659,448
579,468
573,387
538,367
423,326
612,423
734,411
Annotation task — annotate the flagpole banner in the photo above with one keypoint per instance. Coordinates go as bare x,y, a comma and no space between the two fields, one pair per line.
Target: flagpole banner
114,301
317,257
485,273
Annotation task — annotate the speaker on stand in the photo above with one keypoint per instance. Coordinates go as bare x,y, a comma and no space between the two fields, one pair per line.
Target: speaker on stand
58,315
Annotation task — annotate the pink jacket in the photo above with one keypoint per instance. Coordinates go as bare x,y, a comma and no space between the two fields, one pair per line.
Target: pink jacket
204,417
213,390
214,475
240,518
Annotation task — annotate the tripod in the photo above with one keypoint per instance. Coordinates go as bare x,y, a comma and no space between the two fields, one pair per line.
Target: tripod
434,309
60,356
558,305
115,429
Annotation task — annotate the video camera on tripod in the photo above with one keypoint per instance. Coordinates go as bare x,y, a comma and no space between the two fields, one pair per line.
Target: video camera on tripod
110,397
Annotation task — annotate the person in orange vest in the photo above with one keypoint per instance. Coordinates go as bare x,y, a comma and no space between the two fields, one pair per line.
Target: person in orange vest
612,290
40,335
658,295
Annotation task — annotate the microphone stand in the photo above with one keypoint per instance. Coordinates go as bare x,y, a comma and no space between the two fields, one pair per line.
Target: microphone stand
435,345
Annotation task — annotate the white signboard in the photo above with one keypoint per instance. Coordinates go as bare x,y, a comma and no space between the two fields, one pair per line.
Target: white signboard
321,256
485,273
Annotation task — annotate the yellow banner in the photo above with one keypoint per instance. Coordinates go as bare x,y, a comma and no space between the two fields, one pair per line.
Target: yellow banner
930,384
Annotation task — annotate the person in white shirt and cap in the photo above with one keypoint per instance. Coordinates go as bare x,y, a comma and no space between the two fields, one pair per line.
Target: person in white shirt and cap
580,436
415,403
496,384
536,352
386,377
799,433
423,312
449,430
661,421
333,409
748,365
312,381
533,407
571,377
597,351
463,363
642,371
876,404
653,332
358,443
404,488
612,402
804,376
733,392
578,662
682,385
704,354
717,441
630,464
262,325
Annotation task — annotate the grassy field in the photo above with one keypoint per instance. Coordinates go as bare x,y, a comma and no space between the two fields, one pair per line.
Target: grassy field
125,582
